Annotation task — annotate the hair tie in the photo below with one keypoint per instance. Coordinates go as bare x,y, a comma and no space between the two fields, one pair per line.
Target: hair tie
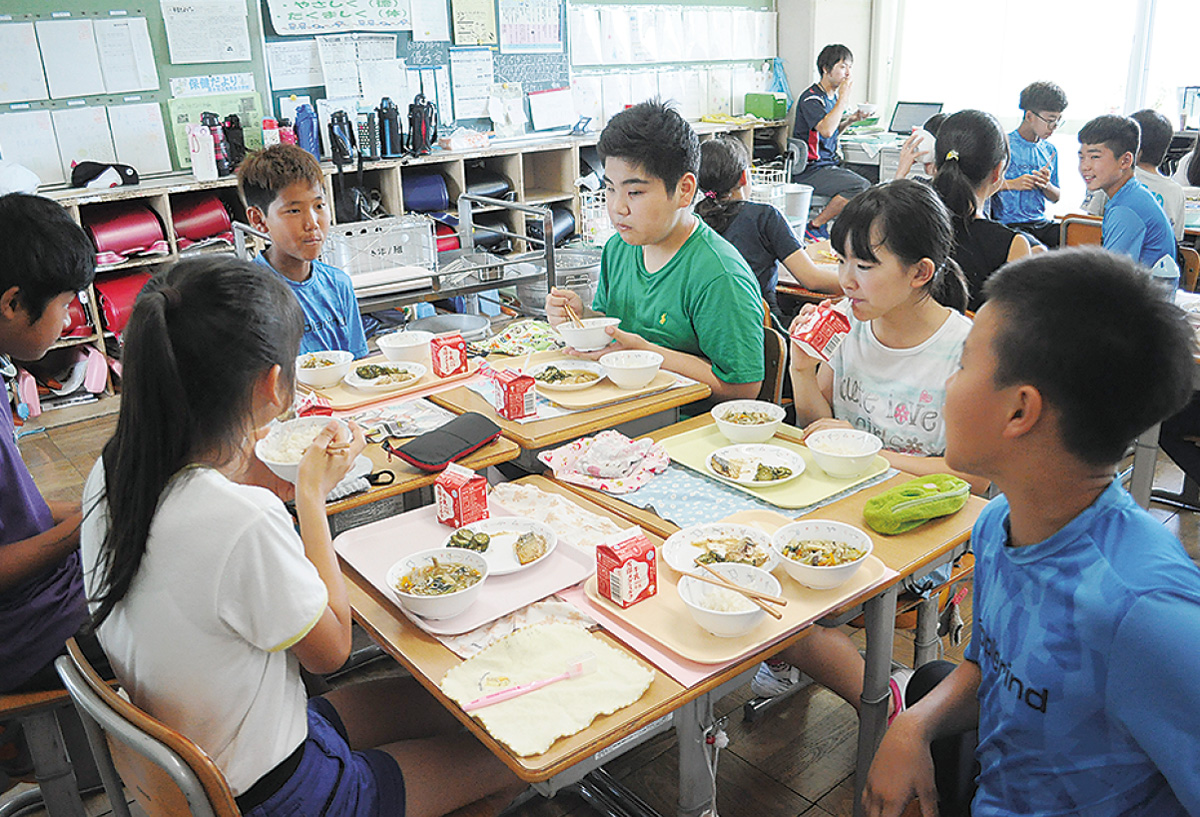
171,296
710,194
951,155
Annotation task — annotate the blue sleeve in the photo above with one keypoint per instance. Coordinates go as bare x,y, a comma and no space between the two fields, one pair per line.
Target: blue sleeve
1123,232
1053,165
1152,687
356,338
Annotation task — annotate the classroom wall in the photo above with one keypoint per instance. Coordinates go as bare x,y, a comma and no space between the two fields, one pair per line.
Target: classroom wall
807,26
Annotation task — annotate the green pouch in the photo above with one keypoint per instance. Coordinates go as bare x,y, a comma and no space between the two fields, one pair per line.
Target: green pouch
916,502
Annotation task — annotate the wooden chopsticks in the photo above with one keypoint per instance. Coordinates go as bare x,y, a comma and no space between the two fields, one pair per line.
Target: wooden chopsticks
763,600
574,317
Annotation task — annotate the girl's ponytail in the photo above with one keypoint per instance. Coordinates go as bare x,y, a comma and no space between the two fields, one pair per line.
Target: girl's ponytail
969,146
723,160
950,286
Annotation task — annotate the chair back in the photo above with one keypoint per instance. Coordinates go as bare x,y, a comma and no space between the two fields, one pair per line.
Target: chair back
775,351
1079,231
797,154
166,772
1190,261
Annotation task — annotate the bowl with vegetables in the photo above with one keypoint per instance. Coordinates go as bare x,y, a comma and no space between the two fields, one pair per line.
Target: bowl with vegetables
821,553
437,583
323,370
748,421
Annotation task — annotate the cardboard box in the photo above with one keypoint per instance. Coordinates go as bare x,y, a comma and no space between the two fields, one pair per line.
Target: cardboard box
461,496
767,106
515,395
823,331
626,568
448,354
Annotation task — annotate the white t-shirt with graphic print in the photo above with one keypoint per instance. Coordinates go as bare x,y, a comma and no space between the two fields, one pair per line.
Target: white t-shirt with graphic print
898,394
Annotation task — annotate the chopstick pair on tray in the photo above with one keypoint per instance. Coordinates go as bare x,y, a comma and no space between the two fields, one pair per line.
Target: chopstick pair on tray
763,600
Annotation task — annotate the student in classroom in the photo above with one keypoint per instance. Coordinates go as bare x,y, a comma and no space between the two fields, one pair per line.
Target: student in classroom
969,164
1156,133
1081,676
1031,179
678,287
174,509
284,190
920,146
906,333
1187,172
758,231
820,116
1134,222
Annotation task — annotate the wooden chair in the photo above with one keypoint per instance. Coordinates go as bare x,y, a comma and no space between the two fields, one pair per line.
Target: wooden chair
1077,231
1189,262
775,365
166,772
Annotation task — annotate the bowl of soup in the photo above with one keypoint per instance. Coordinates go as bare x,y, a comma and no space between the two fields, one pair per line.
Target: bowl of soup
748,421
438,583
323,370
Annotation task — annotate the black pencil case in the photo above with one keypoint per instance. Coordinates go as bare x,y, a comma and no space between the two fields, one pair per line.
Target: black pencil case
434,450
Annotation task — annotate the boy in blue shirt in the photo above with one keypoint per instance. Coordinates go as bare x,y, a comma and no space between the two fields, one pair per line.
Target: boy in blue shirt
1081,676
284,190
1134,222
820,116
1031,178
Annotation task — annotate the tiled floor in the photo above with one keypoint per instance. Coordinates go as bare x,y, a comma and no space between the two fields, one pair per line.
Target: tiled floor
797,759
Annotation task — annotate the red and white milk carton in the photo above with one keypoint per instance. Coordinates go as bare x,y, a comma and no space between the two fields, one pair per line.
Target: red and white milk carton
626,568
461,496
448,353
514,395
823,331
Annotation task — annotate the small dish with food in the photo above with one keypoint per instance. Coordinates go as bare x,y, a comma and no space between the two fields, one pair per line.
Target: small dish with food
567,375
821,553
407,344
589,336
631,368
437,583
718,543
285,444
323,370
748,421
728,613
385,376
507,543
843,452
756,466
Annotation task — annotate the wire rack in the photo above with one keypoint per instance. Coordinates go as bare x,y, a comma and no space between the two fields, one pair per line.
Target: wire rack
594,226
766,183
399,252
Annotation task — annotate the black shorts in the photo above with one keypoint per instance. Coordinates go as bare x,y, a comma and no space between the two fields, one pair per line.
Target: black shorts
830,180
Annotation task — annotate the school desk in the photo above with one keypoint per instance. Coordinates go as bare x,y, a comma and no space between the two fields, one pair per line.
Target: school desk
911,554
575,759
819,252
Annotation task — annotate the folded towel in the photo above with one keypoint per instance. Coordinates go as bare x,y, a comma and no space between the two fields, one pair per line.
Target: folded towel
915,502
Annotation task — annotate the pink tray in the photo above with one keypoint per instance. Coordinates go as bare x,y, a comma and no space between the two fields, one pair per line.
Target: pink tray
374,548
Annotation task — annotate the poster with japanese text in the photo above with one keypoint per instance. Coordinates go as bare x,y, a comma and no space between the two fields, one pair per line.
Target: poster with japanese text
317,16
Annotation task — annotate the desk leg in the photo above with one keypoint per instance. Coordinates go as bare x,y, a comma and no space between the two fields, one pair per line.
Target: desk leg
692,720
1145,457
52,765
880,613
925,646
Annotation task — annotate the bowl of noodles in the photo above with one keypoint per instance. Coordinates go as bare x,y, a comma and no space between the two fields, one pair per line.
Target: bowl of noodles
323,370
748,421
821,553
437,583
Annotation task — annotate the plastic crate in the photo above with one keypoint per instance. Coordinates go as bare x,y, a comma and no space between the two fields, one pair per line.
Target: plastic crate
384,254
594,226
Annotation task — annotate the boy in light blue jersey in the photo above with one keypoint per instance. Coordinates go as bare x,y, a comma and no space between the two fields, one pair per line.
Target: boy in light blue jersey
1031,178
1081,676
285,193
1134,222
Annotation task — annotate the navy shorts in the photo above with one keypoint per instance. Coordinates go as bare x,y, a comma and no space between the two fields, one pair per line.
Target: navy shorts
333,780
830,180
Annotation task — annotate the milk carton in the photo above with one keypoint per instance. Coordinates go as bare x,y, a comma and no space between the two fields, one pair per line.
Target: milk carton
448,354
823,330
461,496
626,569
514,395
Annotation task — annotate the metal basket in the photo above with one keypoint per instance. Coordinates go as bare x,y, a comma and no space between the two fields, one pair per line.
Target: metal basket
396,250
766,183
594,225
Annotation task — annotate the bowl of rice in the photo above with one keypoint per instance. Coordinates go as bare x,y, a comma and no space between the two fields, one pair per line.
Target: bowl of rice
821,553
409,344
727,613
748,421
843,452
437,583
323,370
285,443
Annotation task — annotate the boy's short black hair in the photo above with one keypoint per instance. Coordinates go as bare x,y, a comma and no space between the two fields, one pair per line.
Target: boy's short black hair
1091,331
653,136
1120,134
831,55
1156,135
1043,96
43,251
262,174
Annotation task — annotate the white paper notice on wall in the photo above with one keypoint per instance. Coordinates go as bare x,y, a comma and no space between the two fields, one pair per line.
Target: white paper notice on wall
745,80
139,137
443,95
643,85
83,136
339,65
671,33
430,21
695,22
643,34
294,64
741,41
683,89
380,78
720,33
616,35
589,98
720,89
126,56
70,57
225,31
552,108
617,93
584,27
21,76
471,75
27,138
765,42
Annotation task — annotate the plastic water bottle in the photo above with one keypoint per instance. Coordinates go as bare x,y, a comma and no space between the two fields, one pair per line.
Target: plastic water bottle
1165,274
307,130
270,131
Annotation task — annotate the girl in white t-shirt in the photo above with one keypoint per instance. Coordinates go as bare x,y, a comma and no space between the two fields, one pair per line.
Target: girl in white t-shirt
206,599
888,376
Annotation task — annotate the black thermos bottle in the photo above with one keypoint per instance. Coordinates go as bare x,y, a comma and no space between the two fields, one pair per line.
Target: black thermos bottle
391,142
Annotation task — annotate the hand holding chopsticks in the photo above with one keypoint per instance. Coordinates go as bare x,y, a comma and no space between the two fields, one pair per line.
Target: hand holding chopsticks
573,315
763,600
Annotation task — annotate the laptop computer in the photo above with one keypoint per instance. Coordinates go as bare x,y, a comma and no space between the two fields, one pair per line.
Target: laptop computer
909,115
